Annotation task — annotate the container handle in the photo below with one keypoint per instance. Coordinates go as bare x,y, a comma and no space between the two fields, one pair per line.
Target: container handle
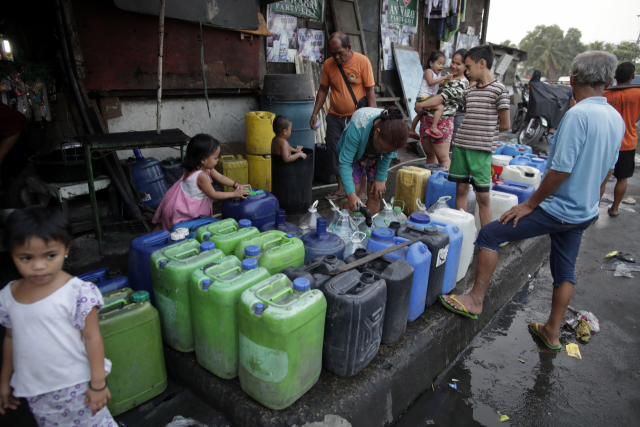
182,254
396,201
277,239
227,228
111,304
227,157
280,294
231,270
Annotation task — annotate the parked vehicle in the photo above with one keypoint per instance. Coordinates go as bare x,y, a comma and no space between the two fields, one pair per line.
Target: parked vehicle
521,113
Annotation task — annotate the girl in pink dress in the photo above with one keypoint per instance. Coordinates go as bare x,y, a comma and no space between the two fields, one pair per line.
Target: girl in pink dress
191,196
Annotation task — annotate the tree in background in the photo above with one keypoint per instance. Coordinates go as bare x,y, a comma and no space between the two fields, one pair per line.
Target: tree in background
550,51
627,51
509,43
600,45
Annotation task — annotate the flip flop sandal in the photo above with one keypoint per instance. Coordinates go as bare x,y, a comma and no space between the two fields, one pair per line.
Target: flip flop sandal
335,196
612,214
629,201
455,310
433,134
536,333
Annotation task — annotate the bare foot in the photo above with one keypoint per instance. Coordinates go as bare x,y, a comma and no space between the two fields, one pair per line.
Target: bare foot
612,212
467,300
552,338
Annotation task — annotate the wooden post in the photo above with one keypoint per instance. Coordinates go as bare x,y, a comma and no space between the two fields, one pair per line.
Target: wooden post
161,46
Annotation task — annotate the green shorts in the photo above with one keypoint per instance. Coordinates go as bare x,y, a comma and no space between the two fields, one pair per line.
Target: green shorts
471,166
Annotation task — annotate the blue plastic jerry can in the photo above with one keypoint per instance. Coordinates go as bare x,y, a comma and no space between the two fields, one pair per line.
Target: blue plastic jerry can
523,191
106,279
438,185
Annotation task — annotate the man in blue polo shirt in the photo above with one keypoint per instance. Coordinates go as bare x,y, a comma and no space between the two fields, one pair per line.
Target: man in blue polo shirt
584,152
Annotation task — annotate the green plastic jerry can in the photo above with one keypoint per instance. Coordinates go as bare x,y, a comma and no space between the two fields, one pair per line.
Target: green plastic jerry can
130,329
281,331
215,292
171,269
274,250
227,233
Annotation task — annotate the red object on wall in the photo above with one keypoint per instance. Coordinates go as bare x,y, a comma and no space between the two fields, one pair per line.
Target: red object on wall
120,51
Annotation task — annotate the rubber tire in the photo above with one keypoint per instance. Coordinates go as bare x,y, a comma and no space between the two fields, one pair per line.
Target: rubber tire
518,121
536,135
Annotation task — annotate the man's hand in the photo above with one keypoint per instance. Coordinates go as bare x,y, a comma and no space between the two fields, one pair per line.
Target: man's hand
378,188
516,213
354,202
312,122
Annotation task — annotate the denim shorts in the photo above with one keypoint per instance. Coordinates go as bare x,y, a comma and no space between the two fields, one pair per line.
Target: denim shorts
565,240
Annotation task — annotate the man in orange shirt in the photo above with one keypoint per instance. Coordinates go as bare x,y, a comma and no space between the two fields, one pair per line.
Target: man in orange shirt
344,102
627,102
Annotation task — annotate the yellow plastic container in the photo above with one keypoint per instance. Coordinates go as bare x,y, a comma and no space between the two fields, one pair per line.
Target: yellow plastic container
258,132
234,168
260,172
411,184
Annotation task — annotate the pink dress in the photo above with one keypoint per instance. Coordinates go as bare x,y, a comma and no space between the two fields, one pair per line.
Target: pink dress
184,201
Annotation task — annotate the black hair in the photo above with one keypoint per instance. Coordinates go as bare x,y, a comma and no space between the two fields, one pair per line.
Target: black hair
344,39
624,72
461,52
199,148
483,51
393,130
280,123
435,55
36,221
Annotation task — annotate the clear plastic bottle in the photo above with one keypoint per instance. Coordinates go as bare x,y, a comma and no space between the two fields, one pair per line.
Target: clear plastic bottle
343,226
385,217
333,214
308,222
421,207
440,204
400,217
358,240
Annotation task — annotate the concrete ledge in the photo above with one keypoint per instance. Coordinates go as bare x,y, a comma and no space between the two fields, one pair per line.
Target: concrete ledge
396,376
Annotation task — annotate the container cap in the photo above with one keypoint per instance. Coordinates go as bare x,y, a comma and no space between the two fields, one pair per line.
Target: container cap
499,145
112,273
207,246
367,278
301,284
163,263
259,309
529,174
289,236
140,296
522,149
207,236
249,264
420,218
206,283
397,209
331,259
251,250
182,230
456,229
175,236
382,233
356,213
244,223
431,230
259,192
423,248
313,207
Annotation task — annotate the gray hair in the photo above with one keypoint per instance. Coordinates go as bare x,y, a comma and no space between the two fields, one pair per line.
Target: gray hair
593,68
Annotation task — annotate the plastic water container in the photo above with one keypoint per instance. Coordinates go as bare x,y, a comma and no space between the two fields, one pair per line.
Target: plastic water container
343,226
398,275
226,234
498,163
437,243
322,243
358,241
130,329
466,222
438,186
411,184
140,256
433,167
281,329
308,222
453,254
215,291
538,163
355,316
193,224
524,149
106,279
530,155
419,257
419,220
273,250
259,207
148,179
522,191
258,132
523,174
499,148
280,225
233,168
260,171
500,203
172,170
316,270
510,150
171,269
519,161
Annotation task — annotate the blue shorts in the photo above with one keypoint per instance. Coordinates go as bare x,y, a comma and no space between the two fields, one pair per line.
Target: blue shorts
565,240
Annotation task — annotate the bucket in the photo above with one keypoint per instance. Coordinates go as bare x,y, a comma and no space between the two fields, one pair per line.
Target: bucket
292,182
498,162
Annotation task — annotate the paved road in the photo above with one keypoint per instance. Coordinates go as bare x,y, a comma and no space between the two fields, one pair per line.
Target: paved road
552,389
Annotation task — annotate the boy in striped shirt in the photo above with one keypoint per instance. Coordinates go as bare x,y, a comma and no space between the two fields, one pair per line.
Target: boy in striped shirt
487,106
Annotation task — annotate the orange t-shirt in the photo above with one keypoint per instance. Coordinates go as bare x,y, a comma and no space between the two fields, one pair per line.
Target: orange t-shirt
627,102
359,74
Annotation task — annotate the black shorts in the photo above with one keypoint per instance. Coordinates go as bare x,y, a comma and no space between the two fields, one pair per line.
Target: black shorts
335,126
625,165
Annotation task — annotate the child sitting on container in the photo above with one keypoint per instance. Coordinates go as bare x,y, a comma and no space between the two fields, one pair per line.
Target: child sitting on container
191,196
280,146
53,351
430,84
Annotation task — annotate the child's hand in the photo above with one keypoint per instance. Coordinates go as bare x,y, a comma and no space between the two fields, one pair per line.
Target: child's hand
97,399
449,76
7,399
303,156
299,148
241,191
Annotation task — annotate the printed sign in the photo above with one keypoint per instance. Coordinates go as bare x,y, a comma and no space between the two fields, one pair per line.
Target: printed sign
403,12
442,256
283,46
313,9
311,44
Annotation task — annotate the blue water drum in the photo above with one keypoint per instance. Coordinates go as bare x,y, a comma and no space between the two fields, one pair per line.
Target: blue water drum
438,186
193,224
538,163
519,161
321,242
106,279
140,258
291,95
148,178
523,191
281,225
419,220
453,254
417,255
259,208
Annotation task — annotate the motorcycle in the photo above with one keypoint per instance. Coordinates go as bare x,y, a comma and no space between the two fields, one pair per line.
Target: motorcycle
521,113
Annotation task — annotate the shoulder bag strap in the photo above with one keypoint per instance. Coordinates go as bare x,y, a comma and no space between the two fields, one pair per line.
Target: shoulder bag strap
346,81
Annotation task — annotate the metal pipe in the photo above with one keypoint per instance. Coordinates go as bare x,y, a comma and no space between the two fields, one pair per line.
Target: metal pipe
160,50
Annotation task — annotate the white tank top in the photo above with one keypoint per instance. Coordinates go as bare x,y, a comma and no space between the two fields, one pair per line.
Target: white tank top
426,90
190,186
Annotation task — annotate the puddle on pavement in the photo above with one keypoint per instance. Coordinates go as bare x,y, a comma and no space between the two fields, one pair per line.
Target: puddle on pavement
491,378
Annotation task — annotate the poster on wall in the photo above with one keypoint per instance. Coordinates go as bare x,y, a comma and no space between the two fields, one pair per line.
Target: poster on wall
313,9
311,44
447,49
403,12
389,36
474,41
283,46
394,32
463,41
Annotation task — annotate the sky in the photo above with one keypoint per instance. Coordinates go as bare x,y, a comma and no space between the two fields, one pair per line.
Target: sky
610,21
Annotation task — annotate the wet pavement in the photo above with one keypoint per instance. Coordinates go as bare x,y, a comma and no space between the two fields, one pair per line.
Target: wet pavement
550,388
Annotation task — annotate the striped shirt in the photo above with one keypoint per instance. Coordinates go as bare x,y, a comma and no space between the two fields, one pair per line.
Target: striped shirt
480,127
